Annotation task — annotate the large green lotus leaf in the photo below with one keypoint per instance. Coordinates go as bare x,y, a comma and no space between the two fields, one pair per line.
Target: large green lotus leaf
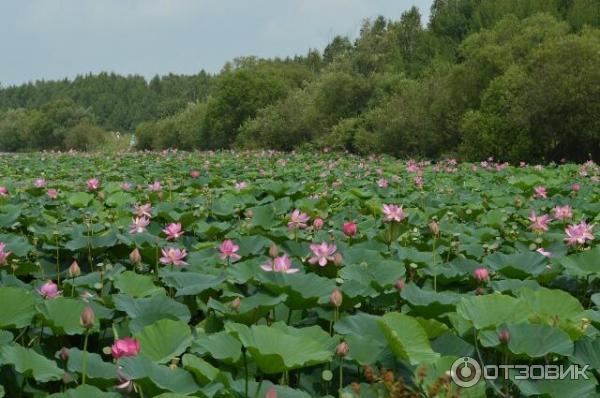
85,391
538,340
492,310
451,345
79,199
552,304
276,350
251,309
383,274
18,245
145,311
18,308
221,346
176,379
63,315
263,216
428,302
164,340
518,265
30,363
587,352
256,389
441,368
583,264
407,338
202,370
119,199
191,283
565,388
364,336
303,290
136,285
96,368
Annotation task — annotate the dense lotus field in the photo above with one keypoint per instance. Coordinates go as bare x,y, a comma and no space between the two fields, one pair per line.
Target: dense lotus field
264,274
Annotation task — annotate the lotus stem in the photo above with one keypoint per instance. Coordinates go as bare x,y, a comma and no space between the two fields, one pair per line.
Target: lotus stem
84,359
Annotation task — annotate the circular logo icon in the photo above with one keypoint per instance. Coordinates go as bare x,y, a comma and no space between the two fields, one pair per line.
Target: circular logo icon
465,372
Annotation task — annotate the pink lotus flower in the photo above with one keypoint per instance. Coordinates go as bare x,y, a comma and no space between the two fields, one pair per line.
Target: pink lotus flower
93,184
394,213
195,173
280,264
318,223
155,187
173,231
481,274
271,393
544,252
240,185
173,256
3,191
49,290
229,250
3,255
350,228
579,234
126,186
382,183
52,193
540,192
143,210
40,183
125,347
575,187
139,225
322,253
563,212
539,223
298,220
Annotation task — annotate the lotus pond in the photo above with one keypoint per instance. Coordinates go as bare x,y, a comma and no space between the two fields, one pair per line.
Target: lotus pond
265,274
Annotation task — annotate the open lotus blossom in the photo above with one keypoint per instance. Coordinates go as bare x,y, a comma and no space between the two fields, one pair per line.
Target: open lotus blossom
173,231
39,183
3,254
563,212
3,191
125,347
93,184
240,185
228,250
393,213
322,253
298,219
143,210
382,183
481,274
173,256
544,252
49,290
578,234
280,264
540,192
52,193
139,225
538,223
155,186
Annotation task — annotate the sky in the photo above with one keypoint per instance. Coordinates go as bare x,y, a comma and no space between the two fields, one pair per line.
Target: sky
54,39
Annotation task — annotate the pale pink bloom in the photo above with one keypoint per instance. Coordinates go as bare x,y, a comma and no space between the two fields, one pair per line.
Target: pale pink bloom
173,231
481,274
272,392
143,210
52,193
139,225
240,185
393,213
280,264
195,173
418,181
382,183
578,234
229,250
318,223
298,219
93,184
575,187
540,192
3,255
322,253
544,252
3,191
539,223
563,212
126,186
522,164
49,290
125,347
350,228
40,183
173,256
155,186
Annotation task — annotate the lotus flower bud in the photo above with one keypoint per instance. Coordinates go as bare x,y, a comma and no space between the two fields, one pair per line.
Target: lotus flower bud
342,349
481,274
336,298
235,304
64,353
271,393
337,259
135,257
350,228
273,250
504,336
434,228
74,270
67,378
400,284
318,223
87,317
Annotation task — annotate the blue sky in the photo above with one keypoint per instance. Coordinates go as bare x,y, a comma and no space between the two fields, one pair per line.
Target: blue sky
53,39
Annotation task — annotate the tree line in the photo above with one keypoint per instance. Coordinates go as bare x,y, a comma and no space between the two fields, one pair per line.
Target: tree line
514,79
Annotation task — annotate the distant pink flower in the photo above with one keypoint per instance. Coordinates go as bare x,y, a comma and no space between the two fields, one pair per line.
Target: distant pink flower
393,213
3,191
382,183
49,290
139,225
173,256
93,184
195,173
40,183
544,252
272,392
280,264
481,274
125,347
3,255
418,181
318,223
350,228
540,192
155,186
575,187
173,231
126,186
143,210
229,250
52,193
539,223
322,253
578,234
298,219
563,212
240,185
